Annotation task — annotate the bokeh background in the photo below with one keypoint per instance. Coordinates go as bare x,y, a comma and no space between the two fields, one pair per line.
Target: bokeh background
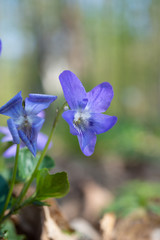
99,40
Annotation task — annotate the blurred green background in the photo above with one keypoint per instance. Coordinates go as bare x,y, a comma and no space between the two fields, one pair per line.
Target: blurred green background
99,40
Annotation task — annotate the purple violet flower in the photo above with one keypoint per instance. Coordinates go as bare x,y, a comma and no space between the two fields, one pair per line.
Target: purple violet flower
25,123
11,151
85,118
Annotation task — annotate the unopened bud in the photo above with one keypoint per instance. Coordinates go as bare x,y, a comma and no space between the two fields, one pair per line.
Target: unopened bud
66,108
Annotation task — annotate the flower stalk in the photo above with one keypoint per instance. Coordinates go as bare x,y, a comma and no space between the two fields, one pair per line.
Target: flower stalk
12,183
27,185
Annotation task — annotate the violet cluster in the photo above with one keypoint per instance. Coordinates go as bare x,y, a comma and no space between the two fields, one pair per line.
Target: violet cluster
85,116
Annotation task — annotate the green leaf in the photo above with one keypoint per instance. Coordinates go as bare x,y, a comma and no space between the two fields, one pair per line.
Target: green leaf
27,163
3,234
48,186
8,231
3,192
47,162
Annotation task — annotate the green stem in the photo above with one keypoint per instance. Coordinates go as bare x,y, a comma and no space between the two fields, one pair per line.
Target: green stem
14,210
12,183
27,185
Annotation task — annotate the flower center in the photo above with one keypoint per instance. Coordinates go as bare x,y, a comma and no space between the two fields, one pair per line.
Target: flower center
81,120
23,122
26,125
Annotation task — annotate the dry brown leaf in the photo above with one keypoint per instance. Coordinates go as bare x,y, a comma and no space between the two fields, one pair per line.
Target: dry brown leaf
57,215
44,219
96,197
51,230
140,225
107,225
86,230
